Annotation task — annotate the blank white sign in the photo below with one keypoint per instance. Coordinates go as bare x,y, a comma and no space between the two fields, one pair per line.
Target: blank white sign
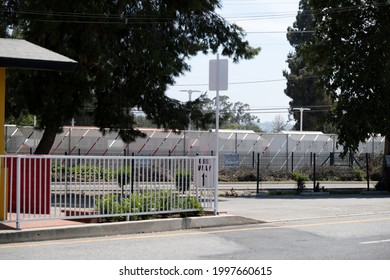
222,82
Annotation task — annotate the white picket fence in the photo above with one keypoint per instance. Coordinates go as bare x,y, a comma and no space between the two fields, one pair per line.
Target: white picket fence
80,187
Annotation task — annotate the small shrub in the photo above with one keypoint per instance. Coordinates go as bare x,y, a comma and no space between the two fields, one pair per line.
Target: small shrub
191,202
323,173
232,192
247,177
359,173
146,202
300,179
124,177
183,180
376,167
110,204
79,172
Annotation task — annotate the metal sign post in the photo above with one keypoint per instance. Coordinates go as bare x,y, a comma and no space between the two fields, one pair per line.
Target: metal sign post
218,80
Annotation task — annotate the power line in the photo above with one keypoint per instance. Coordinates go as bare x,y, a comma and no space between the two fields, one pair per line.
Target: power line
233,83
242,83
254,2
246,82
280,32
93,18
313,108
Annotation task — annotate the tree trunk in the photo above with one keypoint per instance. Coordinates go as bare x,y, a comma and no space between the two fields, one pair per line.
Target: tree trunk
384,184
46,142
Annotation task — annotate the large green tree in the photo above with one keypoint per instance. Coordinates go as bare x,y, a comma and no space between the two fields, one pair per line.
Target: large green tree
128,51
232,115
351,47
302,84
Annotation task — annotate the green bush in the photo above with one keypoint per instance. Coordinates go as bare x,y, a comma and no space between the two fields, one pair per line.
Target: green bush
146,202
297,176
183,180
300,179
91,173
79,172
323,173
123,176
190,202
337,173
110,204
87,172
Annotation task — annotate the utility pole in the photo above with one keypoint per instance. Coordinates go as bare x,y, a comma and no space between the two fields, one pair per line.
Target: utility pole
189,91
301,109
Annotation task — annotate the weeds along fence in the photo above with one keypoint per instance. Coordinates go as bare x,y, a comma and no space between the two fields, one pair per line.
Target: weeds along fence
74,187
293,161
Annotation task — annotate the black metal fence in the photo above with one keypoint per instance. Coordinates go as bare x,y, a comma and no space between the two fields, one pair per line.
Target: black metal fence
309,163
293,161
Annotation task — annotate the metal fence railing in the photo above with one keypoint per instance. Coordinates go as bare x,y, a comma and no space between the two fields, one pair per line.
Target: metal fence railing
74,187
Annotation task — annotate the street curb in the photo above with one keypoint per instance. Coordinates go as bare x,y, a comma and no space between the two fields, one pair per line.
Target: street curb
315,194
122,228
374,192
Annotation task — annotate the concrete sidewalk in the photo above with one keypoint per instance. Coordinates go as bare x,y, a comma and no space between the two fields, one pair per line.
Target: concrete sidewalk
248,209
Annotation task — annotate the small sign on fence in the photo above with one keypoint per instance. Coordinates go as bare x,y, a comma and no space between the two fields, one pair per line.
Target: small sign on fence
232,160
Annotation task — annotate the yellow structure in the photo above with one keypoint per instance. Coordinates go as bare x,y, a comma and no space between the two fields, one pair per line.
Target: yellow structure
16,53
2,108
3,185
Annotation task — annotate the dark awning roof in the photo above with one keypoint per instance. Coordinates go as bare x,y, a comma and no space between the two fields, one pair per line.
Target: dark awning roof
15,53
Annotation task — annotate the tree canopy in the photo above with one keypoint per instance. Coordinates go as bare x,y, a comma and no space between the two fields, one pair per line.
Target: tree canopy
278,124
232,115
351,49
302,83
128,51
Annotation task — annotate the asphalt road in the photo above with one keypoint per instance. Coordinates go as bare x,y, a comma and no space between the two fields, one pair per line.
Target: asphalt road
321,228
357,238
280,185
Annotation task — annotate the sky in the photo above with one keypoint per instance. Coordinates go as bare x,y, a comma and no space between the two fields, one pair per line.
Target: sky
258,82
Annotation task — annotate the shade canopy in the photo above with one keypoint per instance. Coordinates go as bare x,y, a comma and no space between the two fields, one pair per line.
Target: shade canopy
15,53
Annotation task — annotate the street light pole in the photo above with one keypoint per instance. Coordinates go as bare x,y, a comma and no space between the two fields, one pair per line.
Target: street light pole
189,91
301,109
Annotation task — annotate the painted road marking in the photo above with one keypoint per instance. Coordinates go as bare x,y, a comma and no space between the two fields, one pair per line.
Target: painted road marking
375,242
